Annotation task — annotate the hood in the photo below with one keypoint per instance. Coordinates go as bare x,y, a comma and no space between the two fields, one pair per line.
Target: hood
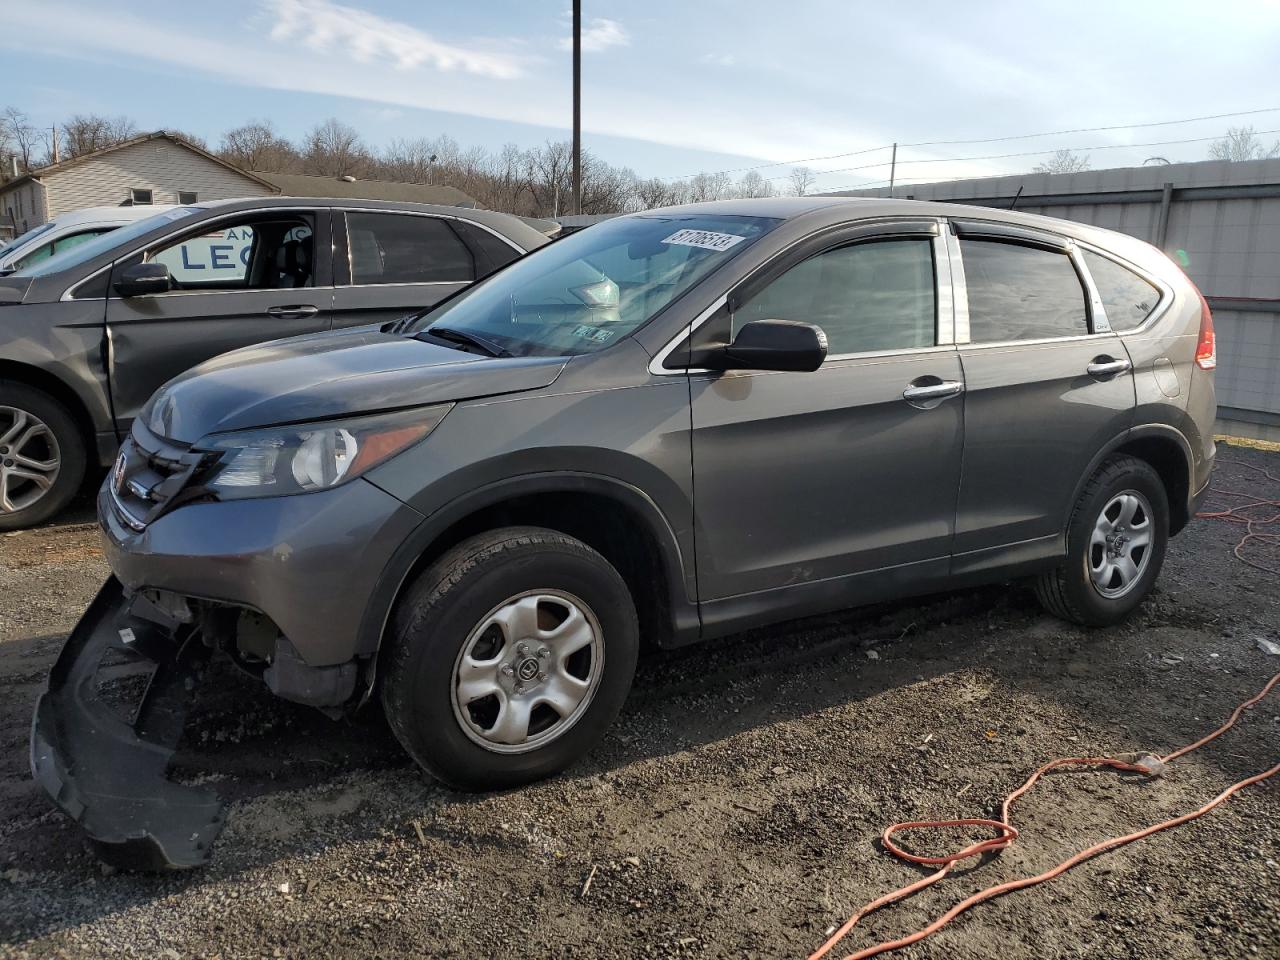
331,375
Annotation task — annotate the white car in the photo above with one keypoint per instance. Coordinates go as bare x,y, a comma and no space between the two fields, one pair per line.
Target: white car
68,230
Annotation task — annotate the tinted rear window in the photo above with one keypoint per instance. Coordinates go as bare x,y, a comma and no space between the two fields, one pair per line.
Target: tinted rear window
1127,297
400,248
492,253
1021,293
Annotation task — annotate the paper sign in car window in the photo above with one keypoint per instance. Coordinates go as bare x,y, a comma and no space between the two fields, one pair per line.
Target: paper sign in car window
706,239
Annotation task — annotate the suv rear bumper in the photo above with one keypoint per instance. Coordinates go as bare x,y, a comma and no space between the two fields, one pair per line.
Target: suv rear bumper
308,563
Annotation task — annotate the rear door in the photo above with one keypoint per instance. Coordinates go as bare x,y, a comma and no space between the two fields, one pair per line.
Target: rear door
392,264
821,487
236,281
1047,384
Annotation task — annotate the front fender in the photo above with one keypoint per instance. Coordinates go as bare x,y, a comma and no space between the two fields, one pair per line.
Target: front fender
684,610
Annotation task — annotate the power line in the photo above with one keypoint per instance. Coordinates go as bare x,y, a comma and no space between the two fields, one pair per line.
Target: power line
1005,139
1031,153
783,163
1122,126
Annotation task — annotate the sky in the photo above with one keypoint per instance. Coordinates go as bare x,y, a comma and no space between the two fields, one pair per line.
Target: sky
672,88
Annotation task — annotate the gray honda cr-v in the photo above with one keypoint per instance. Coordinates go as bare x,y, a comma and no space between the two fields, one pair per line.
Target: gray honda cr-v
671,426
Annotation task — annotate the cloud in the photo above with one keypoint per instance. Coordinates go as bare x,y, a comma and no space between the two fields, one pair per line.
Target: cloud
599,34
368,38
718,59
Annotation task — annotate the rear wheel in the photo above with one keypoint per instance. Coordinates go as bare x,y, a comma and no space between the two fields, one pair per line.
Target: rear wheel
509,657
1116,543
42,456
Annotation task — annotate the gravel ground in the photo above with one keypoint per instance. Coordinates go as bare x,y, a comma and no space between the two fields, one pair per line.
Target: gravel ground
735,808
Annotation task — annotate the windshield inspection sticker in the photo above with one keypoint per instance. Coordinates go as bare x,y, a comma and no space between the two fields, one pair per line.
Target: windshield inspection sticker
706,239
594,334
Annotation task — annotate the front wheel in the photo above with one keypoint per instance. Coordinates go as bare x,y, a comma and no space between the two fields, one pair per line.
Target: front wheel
1116,542
508,657
42,456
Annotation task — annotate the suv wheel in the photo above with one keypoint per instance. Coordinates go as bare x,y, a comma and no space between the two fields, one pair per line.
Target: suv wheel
508,657
42,456
1115,545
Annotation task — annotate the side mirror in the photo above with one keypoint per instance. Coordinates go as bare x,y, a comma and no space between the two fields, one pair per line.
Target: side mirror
773,345
142,278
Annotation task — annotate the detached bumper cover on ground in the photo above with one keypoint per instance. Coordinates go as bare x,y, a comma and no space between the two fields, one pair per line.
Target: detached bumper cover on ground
104,732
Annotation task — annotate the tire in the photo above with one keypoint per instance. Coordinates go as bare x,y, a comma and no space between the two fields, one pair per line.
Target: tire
515,576
35,428
1095,587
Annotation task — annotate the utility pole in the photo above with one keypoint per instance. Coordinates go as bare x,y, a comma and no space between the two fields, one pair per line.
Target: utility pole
893,168
54,134
577,106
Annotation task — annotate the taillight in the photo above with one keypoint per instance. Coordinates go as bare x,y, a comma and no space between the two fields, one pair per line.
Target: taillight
1206,346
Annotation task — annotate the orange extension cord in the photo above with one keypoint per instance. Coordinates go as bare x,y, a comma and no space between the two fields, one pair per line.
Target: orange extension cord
1245,514
1007,833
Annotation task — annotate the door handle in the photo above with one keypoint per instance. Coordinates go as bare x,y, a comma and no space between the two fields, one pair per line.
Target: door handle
1107,367
296,312
932,391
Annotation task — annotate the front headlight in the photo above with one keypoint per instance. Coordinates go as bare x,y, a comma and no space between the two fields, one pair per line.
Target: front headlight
303,457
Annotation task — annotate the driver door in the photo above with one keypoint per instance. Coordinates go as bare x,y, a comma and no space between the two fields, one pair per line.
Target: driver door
817,490
236,282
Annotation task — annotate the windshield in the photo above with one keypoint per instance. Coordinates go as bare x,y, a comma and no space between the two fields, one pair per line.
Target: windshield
31,234
593,288
74,256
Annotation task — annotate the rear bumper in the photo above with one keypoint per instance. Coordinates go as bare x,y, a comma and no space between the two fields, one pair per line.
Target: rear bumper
105,729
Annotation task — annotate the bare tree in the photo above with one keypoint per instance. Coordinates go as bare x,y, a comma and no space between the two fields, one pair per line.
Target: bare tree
501,182
256,146
334,149
549,170
1242,143
656,192
411,161
752,184
88,132
1063,161
802,178
19,138
709,186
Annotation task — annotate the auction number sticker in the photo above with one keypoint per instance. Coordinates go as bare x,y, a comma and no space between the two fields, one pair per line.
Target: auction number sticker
706,239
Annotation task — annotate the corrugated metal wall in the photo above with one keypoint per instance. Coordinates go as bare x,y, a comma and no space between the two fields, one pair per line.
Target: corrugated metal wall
1220,219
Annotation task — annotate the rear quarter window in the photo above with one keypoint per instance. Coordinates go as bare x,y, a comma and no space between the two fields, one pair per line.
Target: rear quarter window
1018,292
1127,297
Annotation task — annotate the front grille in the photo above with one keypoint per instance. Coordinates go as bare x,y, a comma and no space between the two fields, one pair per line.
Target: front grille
149,473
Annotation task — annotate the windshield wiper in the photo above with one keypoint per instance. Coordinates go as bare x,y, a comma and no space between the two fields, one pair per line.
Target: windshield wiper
465,337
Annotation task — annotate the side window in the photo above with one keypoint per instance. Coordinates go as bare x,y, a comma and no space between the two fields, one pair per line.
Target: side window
47,250
1021,293
75,239
42,252
256,254
1127,297
402,248
492,253
866,296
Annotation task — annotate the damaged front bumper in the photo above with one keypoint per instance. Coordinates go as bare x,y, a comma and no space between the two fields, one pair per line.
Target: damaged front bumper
105,730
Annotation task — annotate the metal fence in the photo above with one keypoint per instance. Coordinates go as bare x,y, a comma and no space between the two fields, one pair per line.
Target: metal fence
1220,220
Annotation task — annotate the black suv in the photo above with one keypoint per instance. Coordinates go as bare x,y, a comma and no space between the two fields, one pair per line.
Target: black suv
88,335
